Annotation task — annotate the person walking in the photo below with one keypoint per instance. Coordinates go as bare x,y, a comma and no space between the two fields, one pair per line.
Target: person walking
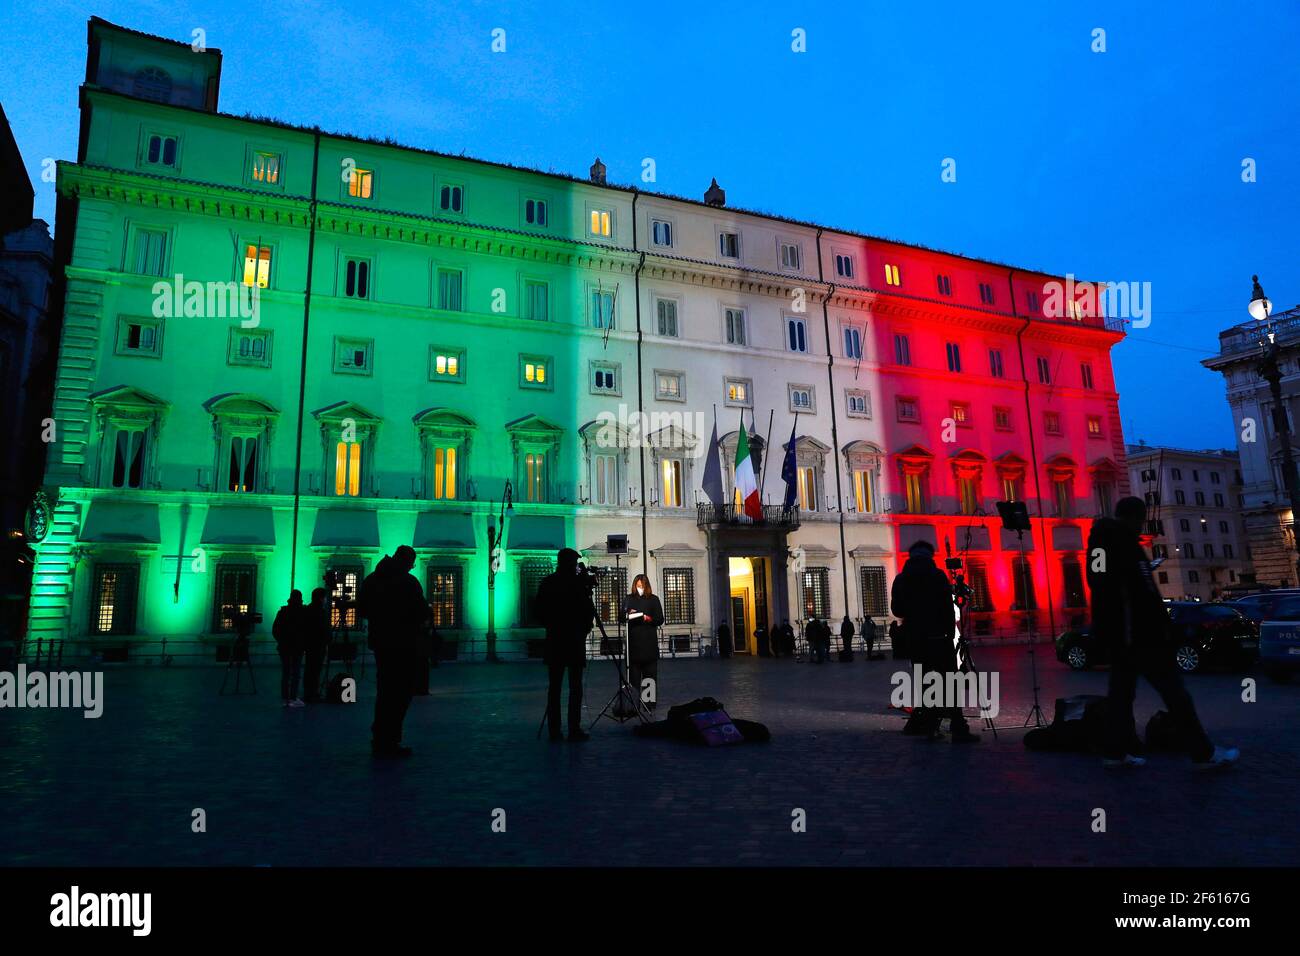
644,614
922,598
1129,614
392,602
318,642
290,630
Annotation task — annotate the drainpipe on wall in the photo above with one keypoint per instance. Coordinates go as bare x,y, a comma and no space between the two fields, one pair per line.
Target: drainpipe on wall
1033,453
835,434
640,391
302,372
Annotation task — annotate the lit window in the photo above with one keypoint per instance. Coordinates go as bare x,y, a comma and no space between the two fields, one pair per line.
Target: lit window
807,485
266,168
242,473
347,469
961,413
891,275
672,482
444,473
600,223
863,492
967,495
1063,492
361,183
257,265
669,386
1010,489
446,365
533,372
915,494
1094,426
535,476
738,391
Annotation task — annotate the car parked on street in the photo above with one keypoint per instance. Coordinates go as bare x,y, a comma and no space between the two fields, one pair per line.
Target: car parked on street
1259,607
1201,635
1279,639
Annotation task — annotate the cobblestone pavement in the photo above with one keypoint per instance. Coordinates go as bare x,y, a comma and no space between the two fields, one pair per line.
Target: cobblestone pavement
298,787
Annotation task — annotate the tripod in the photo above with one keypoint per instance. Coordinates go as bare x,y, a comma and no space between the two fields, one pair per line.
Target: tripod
1036,712
623,665
238,660
966,662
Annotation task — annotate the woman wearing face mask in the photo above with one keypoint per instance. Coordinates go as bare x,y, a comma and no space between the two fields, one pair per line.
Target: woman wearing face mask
644,615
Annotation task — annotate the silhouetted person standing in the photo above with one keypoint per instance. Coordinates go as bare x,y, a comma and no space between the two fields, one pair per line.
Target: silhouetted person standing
290,631
922,597
785,638
1129,614
318,642
869,636
762,641
846,639
565,608
644,614
392,601
724,640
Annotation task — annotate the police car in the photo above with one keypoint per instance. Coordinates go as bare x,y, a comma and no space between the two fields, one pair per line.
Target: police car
1279,639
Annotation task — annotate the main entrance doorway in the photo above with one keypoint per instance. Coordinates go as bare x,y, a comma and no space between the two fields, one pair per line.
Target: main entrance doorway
749,609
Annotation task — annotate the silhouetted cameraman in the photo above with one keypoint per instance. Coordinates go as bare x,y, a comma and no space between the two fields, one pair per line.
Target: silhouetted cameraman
566,610
392,601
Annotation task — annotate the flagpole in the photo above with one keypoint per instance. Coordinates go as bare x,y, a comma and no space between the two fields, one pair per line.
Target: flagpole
766,450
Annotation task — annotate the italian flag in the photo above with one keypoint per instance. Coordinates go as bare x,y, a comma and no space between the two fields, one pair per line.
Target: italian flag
745,482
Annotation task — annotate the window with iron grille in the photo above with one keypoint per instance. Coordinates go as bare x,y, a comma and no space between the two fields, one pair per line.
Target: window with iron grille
1072,574
1022,576
610,589
530,579
815,585
875,596
236,594
977,577
445,597
112,609
347,586
679,596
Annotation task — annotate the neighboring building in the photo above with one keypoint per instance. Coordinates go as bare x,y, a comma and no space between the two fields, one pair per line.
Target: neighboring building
430,327
1263,502
26,261
1195,496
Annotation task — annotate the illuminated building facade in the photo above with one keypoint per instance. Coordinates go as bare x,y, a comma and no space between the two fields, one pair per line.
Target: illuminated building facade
287,351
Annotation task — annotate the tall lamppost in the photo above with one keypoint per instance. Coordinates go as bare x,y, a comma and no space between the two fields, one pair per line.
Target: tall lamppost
496,531
1270,370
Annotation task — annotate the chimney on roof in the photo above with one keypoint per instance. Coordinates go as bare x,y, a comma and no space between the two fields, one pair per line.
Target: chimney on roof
715,195
598,172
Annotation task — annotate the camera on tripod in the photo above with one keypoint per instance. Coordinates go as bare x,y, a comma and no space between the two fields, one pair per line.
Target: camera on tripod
961,591
243,621
589,577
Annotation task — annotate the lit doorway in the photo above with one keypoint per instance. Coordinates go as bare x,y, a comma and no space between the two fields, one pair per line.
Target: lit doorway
748,590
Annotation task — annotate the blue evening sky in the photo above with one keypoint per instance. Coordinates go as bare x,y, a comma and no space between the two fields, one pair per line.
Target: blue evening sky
1123,165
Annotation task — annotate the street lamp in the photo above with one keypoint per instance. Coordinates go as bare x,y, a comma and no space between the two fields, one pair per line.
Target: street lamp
496,531
1270,370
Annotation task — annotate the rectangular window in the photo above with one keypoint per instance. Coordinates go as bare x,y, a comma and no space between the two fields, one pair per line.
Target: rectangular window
452,199
661,233
858,403
1218,499
604,485
149,256
844,266
444,472
734,320
537,297
853,342
137,335
530,579
1094,426
961,414
535,477
995,363
1001,418
604,378
1010,488
361,183
1044,372
864,499
1200,497
670,386
1085,375
600,223
666,315
954,357
446,585
968,498
891,275
534,372
161,150
908,409
1052,423
1063,493
986,293
729,245
257,265
236,593
679,595
670,470
915,494
1214,478
1031,299
790,258
796,334
112,609
801,398
347,469
450,285
738,391
250,347
129,448
1189,550
902,350
602,308
535,212
815,593
241,473
446,364
266,168
354,356
611,589
807,485
1022,576
944,284
356,278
